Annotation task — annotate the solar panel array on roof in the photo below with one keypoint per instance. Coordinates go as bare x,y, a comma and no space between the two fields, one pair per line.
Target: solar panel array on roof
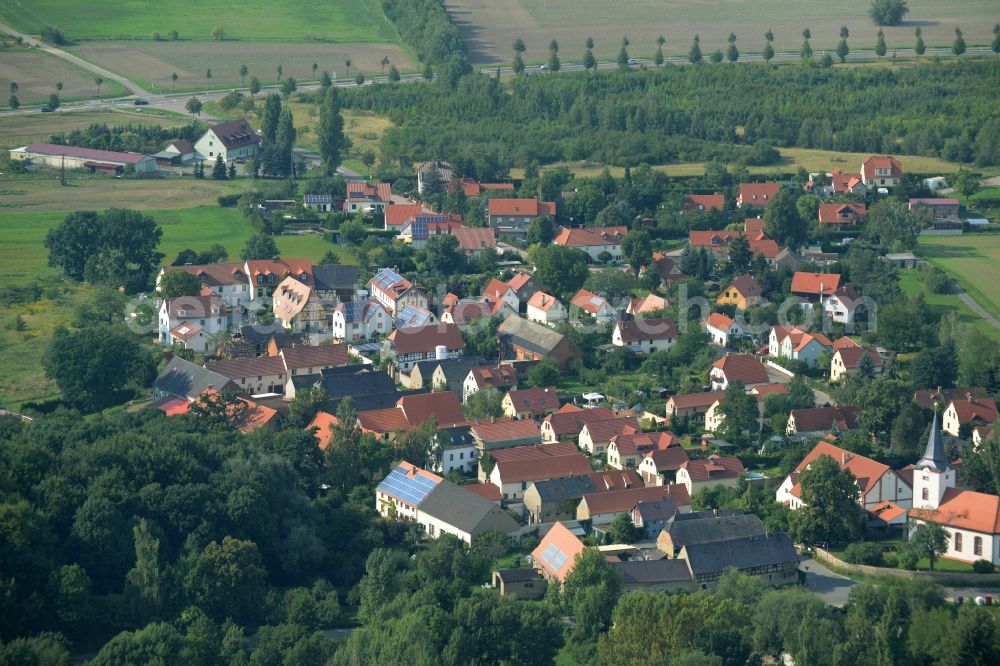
353,310
596,300
386,278
411,489
317,198
554,557
419,228
411,316
368,347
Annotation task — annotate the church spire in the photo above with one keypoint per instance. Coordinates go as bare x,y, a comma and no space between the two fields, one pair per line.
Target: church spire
934,458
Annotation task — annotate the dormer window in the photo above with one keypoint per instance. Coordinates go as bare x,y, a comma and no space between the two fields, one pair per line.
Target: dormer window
303,277
260,279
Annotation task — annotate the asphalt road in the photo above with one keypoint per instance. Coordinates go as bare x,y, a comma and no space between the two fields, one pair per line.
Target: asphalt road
832,588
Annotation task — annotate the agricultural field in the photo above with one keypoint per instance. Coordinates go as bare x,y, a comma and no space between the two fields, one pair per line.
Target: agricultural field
974,260
242,20
490,27
24,129
942,304
37,73
151,64
792,159
95,192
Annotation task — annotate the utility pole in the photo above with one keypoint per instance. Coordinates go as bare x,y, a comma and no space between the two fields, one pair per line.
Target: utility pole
62,172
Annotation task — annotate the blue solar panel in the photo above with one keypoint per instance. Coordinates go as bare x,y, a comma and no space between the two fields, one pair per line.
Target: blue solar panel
554,557
353,310
419,229
411,316
387,277
411,489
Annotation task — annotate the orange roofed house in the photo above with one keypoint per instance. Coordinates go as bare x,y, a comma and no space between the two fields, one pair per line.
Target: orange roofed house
595,241
601,508
514,216
815,286
529,404
405,347
556,555
757,195
395,292
737,367
881,171
841,216
516,468
705,202
265,274
877,482
743,292
367,197
523,340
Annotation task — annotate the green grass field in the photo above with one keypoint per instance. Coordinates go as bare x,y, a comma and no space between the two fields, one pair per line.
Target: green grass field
256,20
490,27
942,304
974,260
21,130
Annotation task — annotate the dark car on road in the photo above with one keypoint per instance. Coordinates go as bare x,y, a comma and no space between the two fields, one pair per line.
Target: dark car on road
140,102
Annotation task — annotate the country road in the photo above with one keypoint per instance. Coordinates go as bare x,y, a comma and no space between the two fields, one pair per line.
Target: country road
977,308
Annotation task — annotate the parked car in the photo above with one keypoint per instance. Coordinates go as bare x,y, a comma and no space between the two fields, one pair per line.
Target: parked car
46,109
633,61
543,67
138,101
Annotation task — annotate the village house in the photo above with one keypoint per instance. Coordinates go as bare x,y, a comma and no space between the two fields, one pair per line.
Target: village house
514,216
841,216
179,152
367,386
322,427
441,375
797,344
814,286
712,472
756,195
594,241
394,291
493,434
569,420
546,309
652,517
743,292
496,291
557,499
650,303
881,171
627,449
406,346
842,305
475,240
659,466
593,305
718,243
264,275
413,316
821,421
227,281
335,283
715,416
458,451
667,268
845,361
601,508
524,286
360,320
691,406
707,527
530,404
298,307
877,482
595,436
971,519
500,377
397,215
419,229
192,322
644,336
941,397
526,584
367,197
439,506
186,380
412,411
723,331
514,469
772,558
438,171
940,209
744,368
522,340
321,203
840,183
270,374
233,140
967,411
556,554
705,202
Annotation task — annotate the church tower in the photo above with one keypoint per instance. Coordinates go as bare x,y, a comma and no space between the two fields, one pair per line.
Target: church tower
932,475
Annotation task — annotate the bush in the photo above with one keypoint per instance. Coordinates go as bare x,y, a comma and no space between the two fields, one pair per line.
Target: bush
983,566
229,200
864,553
908,559
53,35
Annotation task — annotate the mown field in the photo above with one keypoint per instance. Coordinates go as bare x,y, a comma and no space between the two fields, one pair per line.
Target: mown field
37,73
21,130
256,20
151,64
943,304
95,192
974,260
792,158
490,27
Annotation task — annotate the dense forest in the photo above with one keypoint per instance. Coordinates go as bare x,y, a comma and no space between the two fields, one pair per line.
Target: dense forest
692,113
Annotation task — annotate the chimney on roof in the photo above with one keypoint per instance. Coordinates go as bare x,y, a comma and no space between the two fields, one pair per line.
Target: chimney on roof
968,395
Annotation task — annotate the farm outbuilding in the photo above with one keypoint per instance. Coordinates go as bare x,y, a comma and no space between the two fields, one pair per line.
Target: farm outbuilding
72,157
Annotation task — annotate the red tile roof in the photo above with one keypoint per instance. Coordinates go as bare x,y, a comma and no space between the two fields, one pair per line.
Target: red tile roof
534,452
521,207
865,470
235,133
712,239
519,280
714,467
746,285
570,419
502,376
653,328
693,400
850,356
324,423
813,283
935,201
214,275
823,419
84,153
485,490
620,501
590,236
765,247
171,405
588,301
845,182
534,400
669,459
379,421
444,406
757,194
423,339
632,443
542,301
970,408
565,543
841,213
844,341
473,239
881,162
363,190
495,289
466,312
542,469
397,215
926,397
719,321
705,201
604,430
964,509
615,479
743,367
648,303
503,430
280,267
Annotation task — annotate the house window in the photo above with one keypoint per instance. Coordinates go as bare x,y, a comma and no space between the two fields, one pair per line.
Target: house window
924,494
958,542
977,546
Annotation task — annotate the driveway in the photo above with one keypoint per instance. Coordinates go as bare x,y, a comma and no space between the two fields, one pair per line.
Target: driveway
832,588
